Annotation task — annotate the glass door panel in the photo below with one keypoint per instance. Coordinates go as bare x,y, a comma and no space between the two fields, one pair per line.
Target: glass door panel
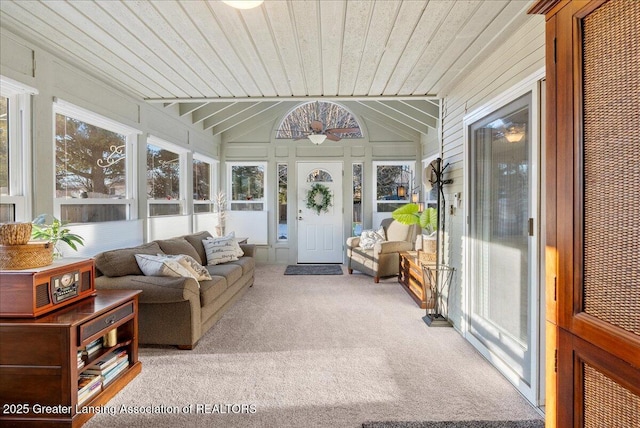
501,248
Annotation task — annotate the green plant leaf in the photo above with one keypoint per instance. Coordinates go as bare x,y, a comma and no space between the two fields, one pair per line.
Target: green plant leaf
429,219
407,214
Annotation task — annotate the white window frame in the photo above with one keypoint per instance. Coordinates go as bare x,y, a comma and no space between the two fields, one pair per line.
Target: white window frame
71,110
409,163
20,142
182,154
230,166
213,184
277,216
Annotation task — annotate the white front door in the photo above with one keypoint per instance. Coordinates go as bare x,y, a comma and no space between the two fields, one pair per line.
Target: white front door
320,234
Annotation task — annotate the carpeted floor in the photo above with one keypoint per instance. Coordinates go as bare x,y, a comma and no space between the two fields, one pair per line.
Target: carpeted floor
338,352
535,423
313,270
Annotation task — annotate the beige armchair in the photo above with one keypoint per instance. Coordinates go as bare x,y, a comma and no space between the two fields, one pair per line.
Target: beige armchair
383,259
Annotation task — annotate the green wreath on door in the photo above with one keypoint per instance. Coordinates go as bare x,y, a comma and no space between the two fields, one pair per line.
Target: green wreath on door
319,198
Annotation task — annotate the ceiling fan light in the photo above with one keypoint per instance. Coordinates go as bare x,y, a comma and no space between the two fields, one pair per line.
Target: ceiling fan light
243,4
317,139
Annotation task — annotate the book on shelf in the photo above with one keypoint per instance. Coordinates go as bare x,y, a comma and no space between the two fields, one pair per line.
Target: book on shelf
87,394
112,374
107,361
88,382
92,347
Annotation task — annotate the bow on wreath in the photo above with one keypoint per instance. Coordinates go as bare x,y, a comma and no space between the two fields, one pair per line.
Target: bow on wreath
319,198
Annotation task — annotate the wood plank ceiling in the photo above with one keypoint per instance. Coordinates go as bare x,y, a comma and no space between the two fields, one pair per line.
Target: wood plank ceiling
233,70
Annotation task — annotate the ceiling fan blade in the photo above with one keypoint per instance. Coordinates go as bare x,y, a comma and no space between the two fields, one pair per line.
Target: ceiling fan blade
343,130
332,137
316,125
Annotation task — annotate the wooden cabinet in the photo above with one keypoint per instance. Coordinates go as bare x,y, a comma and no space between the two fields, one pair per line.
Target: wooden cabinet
39,359
411,277
592,153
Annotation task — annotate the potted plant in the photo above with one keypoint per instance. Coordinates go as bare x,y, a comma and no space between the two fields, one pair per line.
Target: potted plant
54,231
427,219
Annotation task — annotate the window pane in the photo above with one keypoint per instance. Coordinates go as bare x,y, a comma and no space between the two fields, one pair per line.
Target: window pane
356,228
93,213
389,207
202,208
7,213
246,206
163,174
201,181
247,183
4,146
391,179
90,161
283,231
164,209
319,175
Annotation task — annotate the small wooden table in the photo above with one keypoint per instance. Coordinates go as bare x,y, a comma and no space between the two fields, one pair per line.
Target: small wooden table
411,278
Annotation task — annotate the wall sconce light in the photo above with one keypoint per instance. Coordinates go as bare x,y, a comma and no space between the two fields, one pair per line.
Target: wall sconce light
243,4
402,191
317,139
414,198
420,207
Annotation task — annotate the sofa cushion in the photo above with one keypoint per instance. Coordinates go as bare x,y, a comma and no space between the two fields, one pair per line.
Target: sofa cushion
211,289
178,246
151,265
195,239
122,262
247,263
231,272
198,271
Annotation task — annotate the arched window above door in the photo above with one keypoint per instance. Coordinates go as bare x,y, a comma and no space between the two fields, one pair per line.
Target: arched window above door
319,118
319,175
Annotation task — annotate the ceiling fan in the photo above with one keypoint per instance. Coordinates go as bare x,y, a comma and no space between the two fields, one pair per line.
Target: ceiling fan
317,128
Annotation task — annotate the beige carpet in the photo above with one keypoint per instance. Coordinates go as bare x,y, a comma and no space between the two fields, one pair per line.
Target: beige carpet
316,351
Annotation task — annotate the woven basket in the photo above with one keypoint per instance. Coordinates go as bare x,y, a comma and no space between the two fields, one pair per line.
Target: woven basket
27,256
15,233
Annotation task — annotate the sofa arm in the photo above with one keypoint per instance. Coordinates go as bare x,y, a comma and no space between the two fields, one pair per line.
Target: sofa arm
155,289
391,247
248,249
353,242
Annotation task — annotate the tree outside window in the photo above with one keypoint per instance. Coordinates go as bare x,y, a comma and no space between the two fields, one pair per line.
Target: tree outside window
247,187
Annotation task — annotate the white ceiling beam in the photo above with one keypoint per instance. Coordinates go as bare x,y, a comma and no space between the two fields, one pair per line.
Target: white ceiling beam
392,125
261,119
243,117
412,113
226,114
206,112
188,108
298,99
427,107
393,115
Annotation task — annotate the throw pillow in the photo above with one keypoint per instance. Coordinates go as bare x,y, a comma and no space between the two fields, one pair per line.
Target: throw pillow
198,271
220,251
369,238
151,265
228,240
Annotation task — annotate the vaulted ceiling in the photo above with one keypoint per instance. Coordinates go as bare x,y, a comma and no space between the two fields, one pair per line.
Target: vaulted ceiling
231,70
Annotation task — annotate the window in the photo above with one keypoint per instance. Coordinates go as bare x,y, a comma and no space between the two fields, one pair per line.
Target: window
356,227
203,184
431,192
165,183
15,144
393,185
94,167
247,184
283,232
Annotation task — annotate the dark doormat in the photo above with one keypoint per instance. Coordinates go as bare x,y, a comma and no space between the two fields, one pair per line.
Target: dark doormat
313,270
534,423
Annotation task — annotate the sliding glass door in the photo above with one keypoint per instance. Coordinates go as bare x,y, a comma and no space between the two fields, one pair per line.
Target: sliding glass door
502,245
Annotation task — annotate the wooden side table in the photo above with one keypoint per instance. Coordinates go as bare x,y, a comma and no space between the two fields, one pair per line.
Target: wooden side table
40,364
411,278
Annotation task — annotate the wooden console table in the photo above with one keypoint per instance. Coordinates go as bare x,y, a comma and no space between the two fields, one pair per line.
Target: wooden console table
411,278
39,359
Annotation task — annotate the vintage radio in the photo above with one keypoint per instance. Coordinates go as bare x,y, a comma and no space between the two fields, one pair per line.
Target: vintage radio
37,291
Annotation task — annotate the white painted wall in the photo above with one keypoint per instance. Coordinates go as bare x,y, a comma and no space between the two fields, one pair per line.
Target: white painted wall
518,57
